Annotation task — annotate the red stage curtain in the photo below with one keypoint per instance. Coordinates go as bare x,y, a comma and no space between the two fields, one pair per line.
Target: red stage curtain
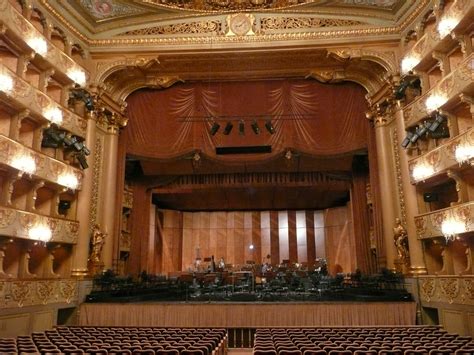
308,116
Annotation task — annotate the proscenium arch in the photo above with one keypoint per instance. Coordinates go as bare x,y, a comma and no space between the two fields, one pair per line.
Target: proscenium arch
364,67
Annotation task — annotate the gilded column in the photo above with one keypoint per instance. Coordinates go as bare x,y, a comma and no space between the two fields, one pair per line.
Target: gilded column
109,187
388,189
410,206
81,249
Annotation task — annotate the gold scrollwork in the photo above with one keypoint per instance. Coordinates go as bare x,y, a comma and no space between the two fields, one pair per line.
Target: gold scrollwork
20,292
45,291
450,288
293,23
428,288
210,26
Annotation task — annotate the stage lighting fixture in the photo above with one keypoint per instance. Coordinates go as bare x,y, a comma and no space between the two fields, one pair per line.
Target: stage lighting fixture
406,141
269,127
228,128
439,118
51,138
215,127
78,93
68,141
423,128
81,158
241,128
408,81
414,138
255,127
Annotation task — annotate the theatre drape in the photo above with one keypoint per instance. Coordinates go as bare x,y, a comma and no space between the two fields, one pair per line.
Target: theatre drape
248,315
308,116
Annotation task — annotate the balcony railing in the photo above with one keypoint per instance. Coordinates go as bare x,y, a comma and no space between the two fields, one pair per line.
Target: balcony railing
17,223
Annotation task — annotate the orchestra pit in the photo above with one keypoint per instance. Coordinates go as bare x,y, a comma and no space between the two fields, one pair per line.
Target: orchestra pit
236,177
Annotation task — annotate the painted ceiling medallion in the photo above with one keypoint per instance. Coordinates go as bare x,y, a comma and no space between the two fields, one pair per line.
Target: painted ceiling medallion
101,9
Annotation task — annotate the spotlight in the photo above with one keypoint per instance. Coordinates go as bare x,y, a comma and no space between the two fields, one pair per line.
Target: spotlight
68,141
228,128
439,118
241,128
408,81
81,158
78,93
414,138
269,127
423,128
406,141
215,127
255,127
51,138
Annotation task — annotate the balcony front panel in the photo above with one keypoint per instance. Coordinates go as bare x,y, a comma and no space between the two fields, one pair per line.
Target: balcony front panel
447,289
17,223
429,225
47,168
462,10
459,81
16,293
442,158
13,21
28,97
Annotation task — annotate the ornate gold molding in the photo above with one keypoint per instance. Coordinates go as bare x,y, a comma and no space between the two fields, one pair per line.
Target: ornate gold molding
14,294
451,87
16,223
428,225
47,168
442,158
37,102
447,289
95,183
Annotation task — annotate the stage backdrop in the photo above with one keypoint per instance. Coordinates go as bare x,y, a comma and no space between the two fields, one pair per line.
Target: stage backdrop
298,236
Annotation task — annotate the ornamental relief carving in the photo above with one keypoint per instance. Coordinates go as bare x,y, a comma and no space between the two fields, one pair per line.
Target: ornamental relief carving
17,223
15,294
296,23
452,290
428,289
429,224
210,26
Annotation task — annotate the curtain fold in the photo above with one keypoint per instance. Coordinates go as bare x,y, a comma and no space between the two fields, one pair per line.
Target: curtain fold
308,116
249,315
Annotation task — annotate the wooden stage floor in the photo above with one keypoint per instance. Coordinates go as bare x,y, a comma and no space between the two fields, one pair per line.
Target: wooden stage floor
247,315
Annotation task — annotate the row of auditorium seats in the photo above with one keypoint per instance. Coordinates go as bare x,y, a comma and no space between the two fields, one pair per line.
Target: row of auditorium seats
120,340
361,340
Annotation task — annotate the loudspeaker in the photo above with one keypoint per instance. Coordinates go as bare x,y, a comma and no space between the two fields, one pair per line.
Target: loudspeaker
430,197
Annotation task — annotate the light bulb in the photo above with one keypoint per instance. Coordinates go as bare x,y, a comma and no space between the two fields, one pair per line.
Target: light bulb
78,76
54,114
38,44
69,180
6,83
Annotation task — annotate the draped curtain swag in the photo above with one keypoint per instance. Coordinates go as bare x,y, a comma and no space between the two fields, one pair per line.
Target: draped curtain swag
308,116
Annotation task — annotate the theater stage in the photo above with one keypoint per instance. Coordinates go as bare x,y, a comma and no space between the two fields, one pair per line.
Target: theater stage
248,315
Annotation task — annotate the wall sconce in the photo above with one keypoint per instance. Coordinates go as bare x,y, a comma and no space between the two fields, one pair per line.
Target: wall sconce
78,76
24,163
54,115
446,25
435,101
40,232
69,180
464,153
408,63
451,227
6,82
38,44
421,171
